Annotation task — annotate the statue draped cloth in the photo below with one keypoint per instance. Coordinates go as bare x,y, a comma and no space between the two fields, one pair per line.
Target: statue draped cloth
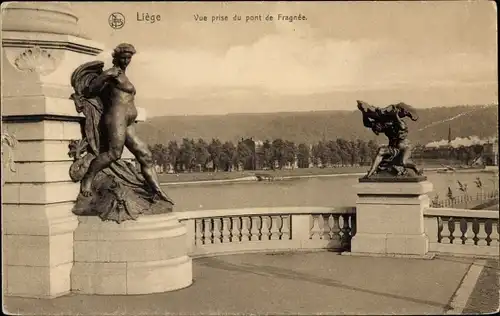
119,192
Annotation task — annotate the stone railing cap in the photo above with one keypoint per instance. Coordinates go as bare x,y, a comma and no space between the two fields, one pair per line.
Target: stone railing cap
296,210
455,212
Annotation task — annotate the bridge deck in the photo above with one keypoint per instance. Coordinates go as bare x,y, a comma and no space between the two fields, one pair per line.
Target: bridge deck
289,283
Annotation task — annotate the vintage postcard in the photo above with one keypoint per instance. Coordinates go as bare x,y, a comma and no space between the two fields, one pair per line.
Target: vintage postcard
250,158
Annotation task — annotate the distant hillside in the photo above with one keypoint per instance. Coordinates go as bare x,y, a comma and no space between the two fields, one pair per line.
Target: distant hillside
311,127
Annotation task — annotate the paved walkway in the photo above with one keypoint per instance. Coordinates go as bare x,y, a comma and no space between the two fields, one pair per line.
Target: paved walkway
290,283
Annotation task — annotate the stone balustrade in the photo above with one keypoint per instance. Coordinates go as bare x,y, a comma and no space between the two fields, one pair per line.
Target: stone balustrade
229,231
461,231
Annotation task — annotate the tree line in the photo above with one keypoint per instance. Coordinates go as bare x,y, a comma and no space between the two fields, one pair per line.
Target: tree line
200,155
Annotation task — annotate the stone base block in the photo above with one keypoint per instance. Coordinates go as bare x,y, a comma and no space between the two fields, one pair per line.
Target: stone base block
390,244
111,278
407,244
146,256
369,243
37,281
37,249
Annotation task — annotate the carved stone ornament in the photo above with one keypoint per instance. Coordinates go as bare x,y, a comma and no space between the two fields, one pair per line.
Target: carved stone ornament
35,59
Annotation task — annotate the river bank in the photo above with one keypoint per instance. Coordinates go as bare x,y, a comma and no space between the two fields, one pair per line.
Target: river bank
223,176
243,176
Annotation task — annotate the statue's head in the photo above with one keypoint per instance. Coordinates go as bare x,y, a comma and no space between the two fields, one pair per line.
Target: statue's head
122,55
406,110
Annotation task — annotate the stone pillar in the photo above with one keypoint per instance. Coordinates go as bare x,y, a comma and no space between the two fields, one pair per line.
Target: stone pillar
390,218
40,49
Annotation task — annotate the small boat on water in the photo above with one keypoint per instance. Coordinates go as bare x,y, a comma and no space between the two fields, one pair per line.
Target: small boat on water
267,177
446,169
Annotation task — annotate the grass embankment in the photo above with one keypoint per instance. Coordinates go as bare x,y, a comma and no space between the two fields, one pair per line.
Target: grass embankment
221,175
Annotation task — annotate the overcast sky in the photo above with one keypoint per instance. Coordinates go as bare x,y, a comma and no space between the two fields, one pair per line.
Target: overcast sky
425,54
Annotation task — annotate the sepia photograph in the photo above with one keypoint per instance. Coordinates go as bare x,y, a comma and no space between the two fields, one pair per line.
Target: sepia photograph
250,158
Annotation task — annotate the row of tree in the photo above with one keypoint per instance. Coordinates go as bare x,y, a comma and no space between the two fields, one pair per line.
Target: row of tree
199,155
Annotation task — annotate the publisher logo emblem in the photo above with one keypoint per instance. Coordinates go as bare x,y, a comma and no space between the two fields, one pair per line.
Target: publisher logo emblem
116,20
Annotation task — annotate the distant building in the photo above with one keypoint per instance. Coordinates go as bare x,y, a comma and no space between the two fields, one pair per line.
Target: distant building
490,154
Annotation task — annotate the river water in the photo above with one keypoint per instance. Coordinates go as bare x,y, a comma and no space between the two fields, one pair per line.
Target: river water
320,191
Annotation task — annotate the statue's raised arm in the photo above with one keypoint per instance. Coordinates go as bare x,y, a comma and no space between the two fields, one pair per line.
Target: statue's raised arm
393,159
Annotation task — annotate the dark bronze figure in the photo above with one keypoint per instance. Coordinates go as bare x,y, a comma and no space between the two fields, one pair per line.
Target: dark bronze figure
110,186
392,160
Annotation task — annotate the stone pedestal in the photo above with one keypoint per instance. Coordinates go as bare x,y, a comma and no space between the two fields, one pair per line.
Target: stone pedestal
135,257
41,46
40,49
390,218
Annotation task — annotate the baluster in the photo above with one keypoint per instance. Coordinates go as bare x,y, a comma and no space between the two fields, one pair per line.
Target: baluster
246,223
321,225
336,229
198,232
218,234
208,228
456,231
448,230
440,229
466,229
226,230
286,227
488,230
276,225
469,232
327,226
481,234
314,228
494,233
475,229
255,229
236,232
266,227
346,230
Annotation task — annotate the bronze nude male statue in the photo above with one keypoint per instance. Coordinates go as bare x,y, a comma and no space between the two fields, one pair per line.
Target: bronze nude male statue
110,186
392,160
